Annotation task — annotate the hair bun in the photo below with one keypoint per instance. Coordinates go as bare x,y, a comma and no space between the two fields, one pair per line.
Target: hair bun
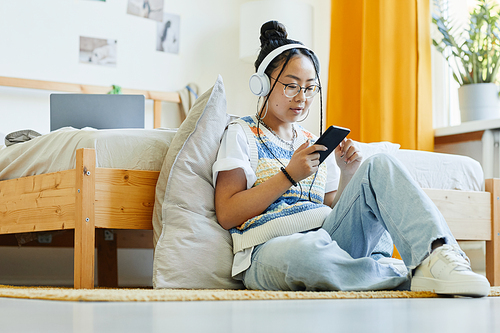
272,30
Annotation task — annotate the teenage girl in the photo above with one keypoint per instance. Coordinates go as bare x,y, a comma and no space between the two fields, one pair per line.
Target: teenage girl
300,225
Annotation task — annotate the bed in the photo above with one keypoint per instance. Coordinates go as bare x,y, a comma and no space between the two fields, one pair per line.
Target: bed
85,197
92,197
111,187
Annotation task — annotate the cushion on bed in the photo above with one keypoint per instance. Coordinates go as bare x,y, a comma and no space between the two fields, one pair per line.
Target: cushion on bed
191,249
372,148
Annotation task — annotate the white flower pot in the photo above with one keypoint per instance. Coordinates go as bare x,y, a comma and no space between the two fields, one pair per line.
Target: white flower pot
478,101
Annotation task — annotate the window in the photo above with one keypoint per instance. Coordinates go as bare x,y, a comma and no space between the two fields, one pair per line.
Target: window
446,111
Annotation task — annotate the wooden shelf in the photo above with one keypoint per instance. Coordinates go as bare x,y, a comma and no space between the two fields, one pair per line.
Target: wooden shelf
156,96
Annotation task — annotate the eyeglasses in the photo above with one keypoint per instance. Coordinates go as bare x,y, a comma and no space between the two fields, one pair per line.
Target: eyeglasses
293,89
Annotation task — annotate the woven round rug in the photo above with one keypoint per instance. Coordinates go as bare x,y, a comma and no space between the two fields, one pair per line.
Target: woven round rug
162,295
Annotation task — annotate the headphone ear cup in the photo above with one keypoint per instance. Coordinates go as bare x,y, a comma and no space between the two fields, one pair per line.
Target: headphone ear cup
266,85
259,84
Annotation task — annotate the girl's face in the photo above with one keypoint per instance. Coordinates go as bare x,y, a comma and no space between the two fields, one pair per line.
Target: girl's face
300,71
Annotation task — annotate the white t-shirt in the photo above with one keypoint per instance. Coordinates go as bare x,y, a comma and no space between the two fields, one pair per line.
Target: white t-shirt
234,153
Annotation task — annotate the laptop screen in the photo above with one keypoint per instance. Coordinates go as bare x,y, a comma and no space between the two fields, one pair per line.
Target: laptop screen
99,111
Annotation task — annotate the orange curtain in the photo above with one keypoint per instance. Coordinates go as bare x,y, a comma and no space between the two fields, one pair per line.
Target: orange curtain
380,71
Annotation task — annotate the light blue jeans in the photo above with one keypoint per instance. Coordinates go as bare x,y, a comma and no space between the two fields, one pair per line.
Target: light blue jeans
381,196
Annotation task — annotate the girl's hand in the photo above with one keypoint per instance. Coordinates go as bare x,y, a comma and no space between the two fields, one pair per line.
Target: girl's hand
348,157
305,161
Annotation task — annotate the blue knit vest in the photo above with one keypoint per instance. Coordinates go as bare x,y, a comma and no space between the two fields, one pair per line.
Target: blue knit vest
292,212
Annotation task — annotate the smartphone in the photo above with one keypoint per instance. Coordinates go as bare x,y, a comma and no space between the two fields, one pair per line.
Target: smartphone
331,139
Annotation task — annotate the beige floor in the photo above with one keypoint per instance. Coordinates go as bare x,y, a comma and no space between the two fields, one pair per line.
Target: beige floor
384,315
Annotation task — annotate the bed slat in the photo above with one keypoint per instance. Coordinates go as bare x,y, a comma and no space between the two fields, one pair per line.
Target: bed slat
468,214
125,198
38,203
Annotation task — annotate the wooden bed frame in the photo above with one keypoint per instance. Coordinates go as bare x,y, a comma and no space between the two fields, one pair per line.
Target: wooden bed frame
123,199
83,199
89,199
474,216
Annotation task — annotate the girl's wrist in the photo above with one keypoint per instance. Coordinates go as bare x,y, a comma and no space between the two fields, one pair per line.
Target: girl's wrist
294,183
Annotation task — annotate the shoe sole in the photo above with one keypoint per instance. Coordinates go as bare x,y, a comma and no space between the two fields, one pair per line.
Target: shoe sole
461,288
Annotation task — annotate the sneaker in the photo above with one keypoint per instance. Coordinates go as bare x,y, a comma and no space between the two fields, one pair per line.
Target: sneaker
447,271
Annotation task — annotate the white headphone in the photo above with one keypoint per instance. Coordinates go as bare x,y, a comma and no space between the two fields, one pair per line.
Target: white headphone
259,82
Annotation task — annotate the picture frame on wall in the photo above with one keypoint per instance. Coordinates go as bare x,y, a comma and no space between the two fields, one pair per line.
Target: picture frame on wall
98,51
151,9
168,32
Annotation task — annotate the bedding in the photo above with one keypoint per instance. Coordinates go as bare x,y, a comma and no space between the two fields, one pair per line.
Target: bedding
146,149
136,149
432,170
443,171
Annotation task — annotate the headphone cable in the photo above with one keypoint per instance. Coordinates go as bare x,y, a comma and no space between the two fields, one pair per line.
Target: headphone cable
259,118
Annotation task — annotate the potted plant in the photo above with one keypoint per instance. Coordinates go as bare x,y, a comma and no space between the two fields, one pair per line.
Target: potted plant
473,53
115,90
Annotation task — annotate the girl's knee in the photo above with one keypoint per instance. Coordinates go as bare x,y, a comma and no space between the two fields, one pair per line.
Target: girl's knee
381,159
382,163
309,251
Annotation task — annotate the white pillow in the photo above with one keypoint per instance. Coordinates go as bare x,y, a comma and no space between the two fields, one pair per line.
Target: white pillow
369,149
191,249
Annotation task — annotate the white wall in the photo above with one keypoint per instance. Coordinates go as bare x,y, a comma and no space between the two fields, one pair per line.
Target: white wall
40,40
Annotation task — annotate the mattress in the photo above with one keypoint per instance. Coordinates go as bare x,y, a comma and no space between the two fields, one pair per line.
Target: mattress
136,149
430,169
443,171
141,149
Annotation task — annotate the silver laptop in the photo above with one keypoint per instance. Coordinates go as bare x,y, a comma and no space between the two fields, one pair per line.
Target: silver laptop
97,111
